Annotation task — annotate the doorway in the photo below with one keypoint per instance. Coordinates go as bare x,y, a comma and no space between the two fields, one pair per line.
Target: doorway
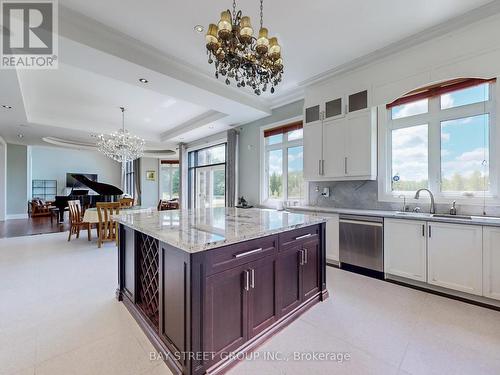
207,177
211,186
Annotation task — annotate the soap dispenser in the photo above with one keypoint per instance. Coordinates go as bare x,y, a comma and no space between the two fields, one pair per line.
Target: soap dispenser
453,208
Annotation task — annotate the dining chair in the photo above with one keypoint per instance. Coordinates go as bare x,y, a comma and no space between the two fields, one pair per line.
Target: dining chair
76,220
107,229
126,202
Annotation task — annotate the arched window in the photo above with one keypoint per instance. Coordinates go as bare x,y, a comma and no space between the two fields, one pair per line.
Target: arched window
441,137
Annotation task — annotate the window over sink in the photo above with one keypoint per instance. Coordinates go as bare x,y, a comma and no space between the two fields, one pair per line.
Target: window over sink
442,137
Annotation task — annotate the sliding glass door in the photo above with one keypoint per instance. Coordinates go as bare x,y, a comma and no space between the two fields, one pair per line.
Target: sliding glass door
207,177
211,186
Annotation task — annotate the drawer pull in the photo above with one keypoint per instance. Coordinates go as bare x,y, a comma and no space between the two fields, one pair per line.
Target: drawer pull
304,236
248,253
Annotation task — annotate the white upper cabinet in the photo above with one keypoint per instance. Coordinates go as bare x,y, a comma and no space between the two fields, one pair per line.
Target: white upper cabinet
405,249
313,142
334,135
491,262
455,258
361,145
346,146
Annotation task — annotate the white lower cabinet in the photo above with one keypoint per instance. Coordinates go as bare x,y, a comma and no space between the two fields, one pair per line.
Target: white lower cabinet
491,262
405,249
455,258
332,232
332,237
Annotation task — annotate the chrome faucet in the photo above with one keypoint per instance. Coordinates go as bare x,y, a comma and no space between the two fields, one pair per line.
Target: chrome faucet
433,207
405,207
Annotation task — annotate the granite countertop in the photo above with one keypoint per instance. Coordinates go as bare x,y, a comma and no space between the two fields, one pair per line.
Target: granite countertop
475,220
203,229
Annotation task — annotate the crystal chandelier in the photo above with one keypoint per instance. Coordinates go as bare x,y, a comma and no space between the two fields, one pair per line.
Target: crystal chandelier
121,145
239,56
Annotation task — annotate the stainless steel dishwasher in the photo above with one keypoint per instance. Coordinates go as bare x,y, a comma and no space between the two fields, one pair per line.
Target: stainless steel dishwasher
362,243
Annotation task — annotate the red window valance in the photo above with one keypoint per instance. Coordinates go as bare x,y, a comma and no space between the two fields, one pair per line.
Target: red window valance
283,129
170,162
439,89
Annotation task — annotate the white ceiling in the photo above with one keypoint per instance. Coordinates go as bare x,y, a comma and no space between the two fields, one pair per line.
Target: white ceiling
78,99
106,46
315,35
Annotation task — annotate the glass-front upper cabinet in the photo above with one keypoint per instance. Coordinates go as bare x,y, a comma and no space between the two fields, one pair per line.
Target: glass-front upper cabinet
313,114
333,108
357,101
337,107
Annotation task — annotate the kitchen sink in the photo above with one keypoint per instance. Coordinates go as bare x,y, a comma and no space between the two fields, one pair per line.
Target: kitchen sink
413,214
448,216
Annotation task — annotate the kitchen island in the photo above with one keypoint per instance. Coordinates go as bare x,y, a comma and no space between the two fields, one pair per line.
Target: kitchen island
207,286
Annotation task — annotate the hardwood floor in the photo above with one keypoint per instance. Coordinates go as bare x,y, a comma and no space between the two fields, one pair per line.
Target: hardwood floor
31,226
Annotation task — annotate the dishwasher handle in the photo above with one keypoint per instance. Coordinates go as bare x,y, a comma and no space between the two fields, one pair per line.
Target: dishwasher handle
359,222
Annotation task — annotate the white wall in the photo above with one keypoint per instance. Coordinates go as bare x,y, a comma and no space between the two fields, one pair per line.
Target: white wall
17,181
472,51
3,179
249,150
150,194
52,163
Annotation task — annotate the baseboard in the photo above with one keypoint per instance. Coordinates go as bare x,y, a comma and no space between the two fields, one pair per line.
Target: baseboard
16,216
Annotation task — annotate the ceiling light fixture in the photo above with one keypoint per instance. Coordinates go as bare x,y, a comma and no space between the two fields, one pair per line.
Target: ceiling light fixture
143,80
199,28
121,145
6,106
250,61
20,136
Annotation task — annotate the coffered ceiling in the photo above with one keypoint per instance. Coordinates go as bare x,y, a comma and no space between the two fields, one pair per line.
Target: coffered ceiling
106,46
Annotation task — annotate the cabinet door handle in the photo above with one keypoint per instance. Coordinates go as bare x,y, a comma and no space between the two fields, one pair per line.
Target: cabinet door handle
345,165
322,167
252,278
305,255
247,280
430,231
423,230
320,170
304,236
301,262
248,253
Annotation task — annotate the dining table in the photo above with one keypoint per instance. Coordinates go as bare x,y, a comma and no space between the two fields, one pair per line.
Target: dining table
90,215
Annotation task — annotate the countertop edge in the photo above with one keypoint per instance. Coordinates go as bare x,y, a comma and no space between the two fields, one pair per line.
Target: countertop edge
394,215
217,244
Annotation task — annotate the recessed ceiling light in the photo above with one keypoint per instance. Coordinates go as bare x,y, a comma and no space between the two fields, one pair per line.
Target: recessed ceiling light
210,126
6,106
199,28
143,80
20,135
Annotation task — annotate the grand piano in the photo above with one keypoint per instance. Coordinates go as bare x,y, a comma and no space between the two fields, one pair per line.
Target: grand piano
105,193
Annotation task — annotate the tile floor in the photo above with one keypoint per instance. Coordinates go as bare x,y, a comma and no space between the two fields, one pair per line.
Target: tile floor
58,315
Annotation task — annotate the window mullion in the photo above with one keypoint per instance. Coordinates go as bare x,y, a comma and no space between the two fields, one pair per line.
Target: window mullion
285,171
434,153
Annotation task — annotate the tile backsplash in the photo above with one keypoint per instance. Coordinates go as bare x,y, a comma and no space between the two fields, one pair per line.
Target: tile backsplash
364,195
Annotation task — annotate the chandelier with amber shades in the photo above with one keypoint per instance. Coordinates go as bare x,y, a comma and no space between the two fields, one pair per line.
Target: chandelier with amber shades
239,56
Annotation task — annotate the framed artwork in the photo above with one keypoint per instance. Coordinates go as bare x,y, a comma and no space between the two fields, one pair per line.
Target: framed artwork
151,175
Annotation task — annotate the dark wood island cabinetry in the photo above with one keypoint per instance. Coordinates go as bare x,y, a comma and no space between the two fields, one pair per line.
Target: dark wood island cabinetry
200,307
